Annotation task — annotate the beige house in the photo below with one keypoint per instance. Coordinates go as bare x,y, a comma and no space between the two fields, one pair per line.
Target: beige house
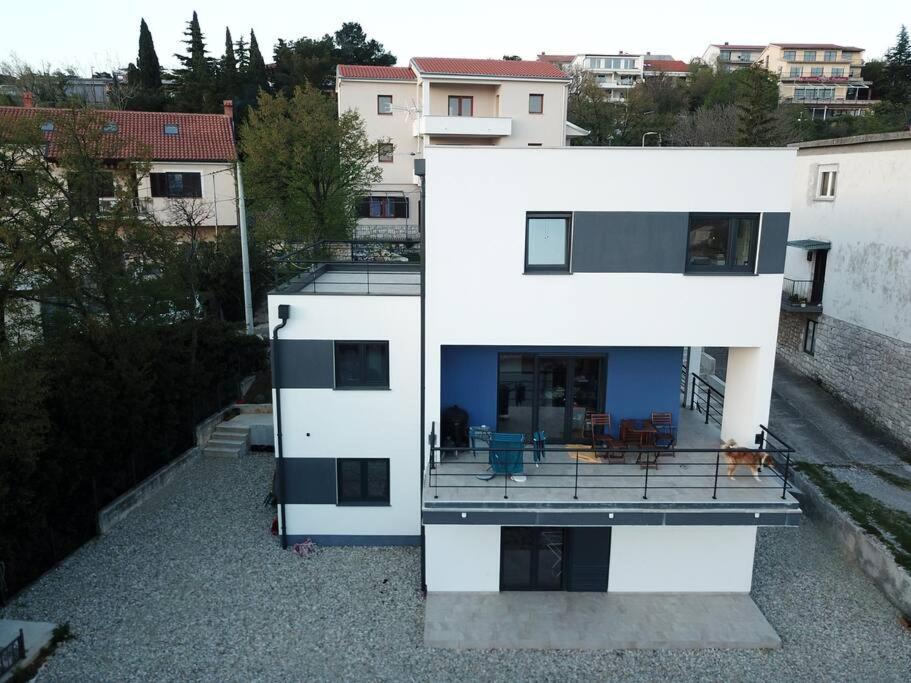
825,77
443,101
730,57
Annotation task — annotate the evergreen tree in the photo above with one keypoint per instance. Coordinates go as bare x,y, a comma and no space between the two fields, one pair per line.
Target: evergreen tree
756,100
242,55
898,68
147,62
257,75
228,69
195,82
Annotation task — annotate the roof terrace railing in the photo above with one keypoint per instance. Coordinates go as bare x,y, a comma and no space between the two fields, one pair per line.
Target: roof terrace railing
308,259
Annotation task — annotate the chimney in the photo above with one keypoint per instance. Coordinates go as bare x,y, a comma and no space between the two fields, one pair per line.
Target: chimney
28,100
229,108
726,43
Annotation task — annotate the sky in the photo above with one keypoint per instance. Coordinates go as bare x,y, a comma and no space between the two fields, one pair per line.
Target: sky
99,35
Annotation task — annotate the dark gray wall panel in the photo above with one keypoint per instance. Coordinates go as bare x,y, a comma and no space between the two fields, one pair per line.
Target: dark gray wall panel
304,363
587,558
773,243
629,241
310,480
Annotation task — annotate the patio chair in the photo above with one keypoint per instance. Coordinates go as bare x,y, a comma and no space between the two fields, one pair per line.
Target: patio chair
604,440
665,432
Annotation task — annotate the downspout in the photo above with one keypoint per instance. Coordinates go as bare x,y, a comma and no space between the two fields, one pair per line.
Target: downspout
420,170
284,312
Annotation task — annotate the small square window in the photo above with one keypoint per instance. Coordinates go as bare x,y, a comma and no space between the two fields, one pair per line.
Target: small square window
809,338
171,129
535,104
110,127
47,126
547,242
384,151
722,243
384,105
363,481
825,182
362,365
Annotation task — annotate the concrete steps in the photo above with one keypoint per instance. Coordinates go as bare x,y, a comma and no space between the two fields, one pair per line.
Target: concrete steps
228,442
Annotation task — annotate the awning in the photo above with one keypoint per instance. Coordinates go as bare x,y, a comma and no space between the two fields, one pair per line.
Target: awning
574,131
810,244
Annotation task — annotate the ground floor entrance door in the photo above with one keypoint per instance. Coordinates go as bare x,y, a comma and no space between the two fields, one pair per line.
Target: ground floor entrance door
554,558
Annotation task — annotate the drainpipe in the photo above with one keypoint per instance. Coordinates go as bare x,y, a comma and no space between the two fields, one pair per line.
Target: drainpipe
284,312
420,170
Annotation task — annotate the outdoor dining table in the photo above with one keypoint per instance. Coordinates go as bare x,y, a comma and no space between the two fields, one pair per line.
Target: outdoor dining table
646,432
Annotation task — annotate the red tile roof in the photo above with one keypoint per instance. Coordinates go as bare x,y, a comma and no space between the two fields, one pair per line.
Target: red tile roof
503,68
558,59
818,46
666,65
201,137
397,73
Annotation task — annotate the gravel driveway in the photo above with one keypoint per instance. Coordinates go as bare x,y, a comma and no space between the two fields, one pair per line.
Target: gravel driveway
193,587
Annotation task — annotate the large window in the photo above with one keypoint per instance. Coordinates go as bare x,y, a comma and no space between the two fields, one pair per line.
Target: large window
176,185
363,481
384,105
838,72
809,55
622,62
816,71
722,243
461,105
535,104
361,365
384,152
829,55
789,55
796,71
547,242
378,206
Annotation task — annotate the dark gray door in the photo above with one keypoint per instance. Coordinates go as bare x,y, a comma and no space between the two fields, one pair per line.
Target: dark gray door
587,558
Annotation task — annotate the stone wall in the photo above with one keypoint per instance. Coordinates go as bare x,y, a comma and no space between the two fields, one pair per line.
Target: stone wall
868,370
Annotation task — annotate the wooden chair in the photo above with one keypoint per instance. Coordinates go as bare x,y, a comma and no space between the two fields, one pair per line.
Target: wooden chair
665,432
603,439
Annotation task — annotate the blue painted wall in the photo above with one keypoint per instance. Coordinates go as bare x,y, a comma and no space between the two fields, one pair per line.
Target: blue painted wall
639,380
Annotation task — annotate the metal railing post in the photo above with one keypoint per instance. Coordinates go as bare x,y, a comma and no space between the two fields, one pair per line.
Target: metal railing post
506,484
647,468
21,639
576,484
693,393
708,404
787,465
715,486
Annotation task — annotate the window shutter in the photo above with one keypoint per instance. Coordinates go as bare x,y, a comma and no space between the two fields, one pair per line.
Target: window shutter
159,184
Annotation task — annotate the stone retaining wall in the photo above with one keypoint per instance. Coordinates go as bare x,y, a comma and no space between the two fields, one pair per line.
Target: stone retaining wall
868,370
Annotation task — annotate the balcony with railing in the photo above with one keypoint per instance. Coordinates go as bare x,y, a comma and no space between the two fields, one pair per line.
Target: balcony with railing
463,126
798,296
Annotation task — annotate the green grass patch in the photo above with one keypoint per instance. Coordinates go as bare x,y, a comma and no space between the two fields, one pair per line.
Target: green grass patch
892,527
891,477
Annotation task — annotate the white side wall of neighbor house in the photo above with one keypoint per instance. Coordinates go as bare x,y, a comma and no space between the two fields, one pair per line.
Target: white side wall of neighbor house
329,423
218,204
681,559
499,304
463,558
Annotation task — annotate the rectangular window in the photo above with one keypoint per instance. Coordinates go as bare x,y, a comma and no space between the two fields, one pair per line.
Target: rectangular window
816,71
384,152
809,337
838,72
175,185
722,243
379,206
829,55
809,55
361,365
384,105
796,71
789,55
825,183
461,105
535,104
547,242
363,481
725,55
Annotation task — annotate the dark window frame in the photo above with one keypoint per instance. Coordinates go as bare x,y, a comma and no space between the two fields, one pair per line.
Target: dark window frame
363,384
160,184
729,268
461,100
380,146
379,108
391,207
364,499
563,269
530,96
809,335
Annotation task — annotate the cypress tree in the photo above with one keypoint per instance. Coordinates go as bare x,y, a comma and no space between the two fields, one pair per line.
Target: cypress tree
898,68
228,69
257,72
242,55
147,61
195,79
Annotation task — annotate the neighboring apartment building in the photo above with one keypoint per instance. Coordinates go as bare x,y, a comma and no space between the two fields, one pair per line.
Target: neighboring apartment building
825,77
728,57
443,101
616,73
191,160
572,291
846,306
663,66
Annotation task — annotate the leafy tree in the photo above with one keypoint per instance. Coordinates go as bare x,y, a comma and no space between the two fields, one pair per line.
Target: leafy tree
607,122
353,47
305,167
511,58
195,80
756,100
47,85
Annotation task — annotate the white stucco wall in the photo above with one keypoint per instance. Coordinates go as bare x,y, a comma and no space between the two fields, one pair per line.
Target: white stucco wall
353,423
868,273
462,558
218,203
681,559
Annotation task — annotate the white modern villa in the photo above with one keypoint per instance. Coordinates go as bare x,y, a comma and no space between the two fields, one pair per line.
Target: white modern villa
509,396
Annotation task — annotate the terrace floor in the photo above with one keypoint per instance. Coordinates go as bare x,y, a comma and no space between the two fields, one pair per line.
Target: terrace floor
680,481
354,278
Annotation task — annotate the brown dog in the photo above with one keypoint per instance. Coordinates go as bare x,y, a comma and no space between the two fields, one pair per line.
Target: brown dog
754,460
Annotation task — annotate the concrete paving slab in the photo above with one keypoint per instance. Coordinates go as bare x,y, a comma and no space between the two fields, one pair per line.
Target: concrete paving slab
596,621
37,634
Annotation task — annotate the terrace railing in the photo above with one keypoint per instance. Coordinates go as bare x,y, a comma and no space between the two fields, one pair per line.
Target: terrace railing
308,258
12,653
706,400
599,473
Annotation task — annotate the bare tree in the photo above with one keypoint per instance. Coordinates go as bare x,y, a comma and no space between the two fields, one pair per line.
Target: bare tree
715,127
186,217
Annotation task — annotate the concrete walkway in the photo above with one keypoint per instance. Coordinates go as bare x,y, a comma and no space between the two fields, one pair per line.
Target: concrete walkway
595,621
